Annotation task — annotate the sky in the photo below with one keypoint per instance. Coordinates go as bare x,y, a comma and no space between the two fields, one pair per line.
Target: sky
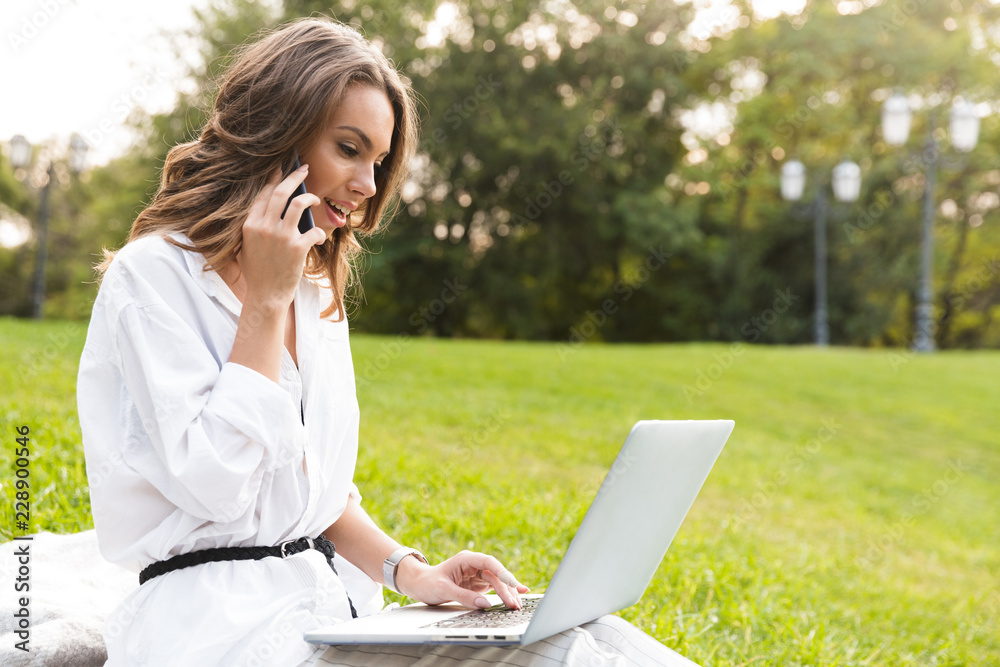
80,66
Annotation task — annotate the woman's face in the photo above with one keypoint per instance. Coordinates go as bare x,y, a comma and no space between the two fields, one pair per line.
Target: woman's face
343,160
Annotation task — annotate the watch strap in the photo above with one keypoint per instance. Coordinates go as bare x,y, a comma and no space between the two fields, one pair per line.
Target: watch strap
390,566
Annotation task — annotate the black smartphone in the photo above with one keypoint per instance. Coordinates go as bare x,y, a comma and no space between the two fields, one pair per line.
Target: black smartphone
306,219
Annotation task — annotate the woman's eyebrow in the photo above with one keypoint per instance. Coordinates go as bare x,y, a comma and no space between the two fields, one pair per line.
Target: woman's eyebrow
364,137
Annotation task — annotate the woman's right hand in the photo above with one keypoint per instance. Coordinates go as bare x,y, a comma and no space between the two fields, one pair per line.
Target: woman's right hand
274,252
464,578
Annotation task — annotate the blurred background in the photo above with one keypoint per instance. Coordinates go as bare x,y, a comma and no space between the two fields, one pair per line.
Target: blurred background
587,171
785,172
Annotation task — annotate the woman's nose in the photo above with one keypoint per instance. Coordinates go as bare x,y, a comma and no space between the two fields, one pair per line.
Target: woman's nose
364,181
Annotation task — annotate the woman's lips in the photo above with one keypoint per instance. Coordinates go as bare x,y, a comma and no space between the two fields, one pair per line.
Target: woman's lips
337,219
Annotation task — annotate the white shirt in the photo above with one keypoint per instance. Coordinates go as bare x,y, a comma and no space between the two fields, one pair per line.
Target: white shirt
186,451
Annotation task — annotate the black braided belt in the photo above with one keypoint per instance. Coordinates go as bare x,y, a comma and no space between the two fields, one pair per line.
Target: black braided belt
218,554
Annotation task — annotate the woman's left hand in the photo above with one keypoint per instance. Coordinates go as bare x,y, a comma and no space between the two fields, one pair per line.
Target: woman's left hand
463,578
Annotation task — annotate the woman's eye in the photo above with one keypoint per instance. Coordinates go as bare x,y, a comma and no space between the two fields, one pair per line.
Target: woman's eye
349,151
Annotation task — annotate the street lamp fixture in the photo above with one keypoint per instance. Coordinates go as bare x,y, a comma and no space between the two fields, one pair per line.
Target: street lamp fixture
964,132
964,126
896,118
77,153
846,188
847,181
793,180
20,152
20,158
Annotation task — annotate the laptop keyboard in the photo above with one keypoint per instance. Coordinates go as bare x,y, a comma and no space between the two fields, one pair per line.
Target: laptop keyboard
497,616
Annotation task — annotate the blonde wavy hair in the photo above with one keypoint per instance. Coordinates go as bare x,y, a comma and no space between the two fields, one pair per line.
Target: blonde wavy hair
275,100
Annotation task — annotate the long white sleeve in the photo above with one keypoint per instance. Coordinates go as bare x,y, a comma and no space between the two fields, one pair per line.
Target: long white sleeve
208,435
186,450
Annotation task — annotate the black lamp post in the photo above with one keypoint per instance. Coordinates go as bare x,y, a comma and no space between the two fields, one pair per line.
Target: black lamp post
964,132
20,158
846,187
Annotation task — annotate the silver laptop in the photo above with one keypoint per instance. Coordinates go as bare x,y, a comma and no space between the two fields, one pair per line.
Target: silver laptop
610,562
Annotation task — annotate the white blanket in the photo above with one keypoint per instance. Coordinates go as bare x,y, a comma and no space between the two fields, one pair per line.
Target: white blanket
72,591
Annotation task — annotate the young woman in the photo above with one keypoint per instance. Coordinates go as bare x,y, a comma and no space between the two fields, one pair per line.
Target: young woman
216,388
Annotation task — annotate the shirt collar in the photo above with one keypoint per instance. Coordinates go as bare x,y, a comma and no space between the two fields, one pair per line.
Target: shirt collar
306,295
210,282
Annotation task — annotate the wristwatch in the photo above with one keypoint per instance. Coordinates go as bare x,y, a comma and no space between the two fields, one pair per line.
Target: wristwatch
391,565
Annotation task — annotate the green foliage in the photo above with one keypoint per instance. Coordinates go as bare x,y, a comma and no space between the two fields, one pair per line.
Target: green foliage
539,170
39,367
96,211
558,186
851,519
824,79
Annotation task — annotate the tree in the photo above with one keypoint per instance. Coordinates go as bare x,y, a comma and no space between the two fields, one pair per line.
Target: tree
560,191
820,100
547,135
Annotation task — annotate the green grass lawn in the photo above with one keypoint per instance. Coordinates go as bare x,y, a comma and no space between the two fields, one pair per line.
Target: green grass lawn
852,519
